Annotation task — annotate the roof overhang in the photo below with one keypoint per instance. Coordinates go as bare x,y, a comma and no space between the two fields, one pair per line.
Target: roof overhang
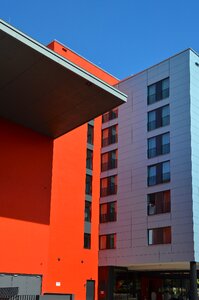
41,90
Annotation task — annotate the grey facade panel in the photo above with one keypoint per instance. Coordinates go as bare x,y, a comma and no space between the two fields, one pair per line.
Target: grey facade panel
132,219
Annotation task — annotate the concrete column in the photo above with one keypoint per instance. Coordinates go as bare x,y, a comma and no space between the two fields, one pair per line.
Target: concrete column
193,281
110,283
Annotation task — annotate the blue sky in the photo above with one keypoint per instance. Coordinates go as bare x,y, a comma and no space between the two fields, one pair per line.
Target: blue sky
121,36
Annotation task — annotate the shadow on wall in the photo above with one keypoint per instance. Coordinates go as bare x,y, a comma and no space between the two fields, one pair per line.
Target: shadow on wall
25,173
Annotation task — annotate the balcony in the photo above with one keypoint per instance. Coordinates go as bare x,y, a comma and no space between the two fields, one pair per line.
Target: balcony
153,180
111,115
157,97
164,149
109,165
109,217
109,140
112,190
161,208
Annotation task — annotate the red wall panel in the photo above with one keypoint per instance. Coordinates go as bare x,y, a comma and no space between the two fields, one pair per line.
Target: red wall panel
25,185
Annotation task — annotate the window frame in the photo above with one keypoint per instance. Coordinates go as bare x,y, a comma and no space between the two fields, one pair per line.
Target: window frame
90,134
108,243
108,216
159,120
160,233
161,93
87,235
89,159
110,115
89,191
160,148
88,213
159,177
158,203
111,138
110,189
111,163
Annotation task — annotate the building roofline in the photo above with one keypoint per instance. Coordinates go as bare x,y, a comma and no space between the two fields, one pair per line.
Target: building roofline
90,62
164,60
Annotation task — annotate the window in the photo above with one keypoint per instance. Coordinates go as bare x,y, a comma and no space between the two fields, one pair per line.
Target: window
165,116
108,186
109,160
165,171
158,91
108,212
87,213
159,236
110,115
159,117
159,173
107,241
159,145
88,184
90,134
89,159
159,203
87,241
109,136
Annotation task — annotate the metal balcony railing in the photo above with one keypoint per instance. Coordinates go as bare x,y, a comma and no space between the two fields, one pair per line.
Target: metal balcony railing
109,140
108,191
112,164
164,149
109,217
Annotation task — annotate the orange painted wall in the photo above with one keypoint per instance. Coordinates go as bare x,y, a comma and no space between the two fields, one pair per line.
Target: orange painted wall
69,263
42,199
25,188
82,62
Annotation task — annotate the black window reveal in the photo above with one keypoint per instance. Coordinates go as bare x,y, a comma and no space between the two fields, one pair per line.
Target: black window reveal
108,186
109,160
87,241
109,136
110,115
158,91
90,134
159,117
159,203
159,173
87,213
108,212
159,145
88,184
160,235
89,159
107,241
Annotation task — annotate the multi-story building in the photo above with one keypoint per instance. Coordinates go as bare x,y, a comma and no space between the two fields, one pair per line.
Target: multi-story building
49,177
149,205
50,174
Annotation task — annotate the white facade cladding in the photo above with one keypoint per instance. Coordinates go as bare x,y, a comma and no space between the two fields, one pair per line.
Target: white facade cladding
167,239
194,109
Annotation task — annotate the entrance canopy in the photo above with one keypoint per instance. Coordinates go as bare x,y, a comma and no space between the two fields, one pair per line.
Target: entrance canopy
41,90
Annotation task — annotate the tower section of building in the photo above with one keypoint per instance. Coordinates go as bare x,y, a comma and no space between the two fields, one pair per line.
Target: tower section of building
156,225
